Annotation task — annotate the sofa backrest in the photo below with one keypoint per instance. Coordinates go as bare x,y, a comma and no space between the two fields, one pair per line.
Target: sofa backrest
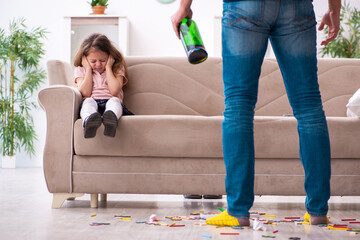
170,85
166,85
173,86
338,80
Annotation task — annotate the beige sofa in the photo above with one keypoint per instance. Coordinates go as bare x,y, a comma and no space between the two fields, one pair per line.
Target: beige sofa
173,143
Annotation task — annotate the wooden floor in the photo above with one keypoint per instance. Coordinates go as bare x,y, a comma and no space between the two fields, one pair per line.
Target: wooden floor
25,213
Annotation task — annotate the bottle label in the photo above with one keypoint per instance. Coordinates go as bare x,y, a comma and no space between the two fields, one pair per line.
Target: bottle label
190,33
192,42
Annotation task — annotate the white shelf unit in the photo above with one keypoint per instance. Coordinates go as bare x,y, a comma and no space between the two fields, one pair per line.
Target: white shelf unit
76,28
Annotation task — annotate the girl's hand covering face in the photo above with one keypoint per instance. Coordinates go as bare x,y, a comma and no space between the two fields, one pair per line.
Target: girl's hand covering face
110,61
85,63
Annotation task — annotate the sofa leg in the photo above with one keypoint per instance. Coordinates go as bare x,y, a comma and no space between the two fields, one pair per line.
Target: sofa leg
103,197
59,198
94,200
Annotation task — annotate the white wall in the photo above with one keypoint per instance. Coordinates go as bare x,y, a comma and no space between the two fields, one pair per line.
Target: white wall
151,33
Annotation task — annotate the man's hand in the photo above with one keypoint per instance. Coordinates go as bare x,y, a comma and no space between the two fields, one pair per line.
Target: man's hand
332,20
183,12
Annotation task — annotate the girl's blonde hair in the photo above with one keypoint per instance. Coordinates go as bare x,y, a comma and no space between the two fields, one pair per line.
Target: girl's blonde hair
100,42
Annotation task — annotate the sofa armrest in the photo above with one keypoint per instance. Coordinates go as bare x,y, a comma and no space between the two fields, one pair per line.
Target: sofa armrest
61,104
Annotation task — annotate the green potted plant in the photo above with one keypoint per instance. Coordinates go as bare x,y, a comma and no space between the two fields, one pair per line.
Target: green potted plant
347,43
98,6
20,52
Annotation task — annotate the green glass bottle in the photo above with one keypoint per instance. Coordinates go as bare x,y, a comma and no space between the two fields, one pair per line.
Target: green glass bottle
192,42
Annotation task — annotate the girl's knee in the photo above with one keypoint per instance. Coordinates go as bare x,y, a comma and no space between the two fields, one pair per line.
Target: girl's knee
89,101
114,100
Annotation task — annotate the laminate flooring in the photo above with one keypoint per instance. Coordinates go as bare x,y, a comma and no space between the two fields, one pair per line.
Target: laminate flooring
26,213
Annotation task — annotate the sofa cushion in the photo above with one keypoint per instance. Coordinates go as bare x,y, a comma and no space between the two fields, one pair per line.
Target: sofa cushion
199,136
155,135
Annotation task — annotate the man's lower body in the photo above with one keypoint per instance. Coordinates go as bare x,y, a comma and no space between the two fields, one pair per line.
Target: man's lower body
290,27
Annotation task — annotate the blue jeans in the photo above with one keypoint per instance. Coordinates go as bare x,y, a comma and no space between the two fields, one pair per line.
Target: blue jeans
290,25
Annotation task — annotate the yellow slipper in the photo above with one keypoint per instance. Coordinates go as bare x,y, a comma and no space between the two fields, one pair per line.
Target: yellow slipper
307,218
223,219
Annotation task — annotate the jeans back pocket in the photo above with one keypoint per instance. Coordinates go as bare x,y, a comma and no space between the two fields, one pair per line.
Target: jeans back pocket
304,14
243,14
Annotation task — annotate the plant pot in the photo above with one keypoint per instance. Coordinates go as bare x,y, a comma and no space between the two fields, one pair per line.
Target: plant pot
98,10
9,161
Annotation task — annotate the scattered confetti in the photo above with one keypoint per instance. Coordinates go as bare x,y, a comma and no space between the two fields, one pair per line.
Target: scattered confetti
322,225
338,228
237,227
177,226
153,218
258,225
122,216
207,236
195,213
98,224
